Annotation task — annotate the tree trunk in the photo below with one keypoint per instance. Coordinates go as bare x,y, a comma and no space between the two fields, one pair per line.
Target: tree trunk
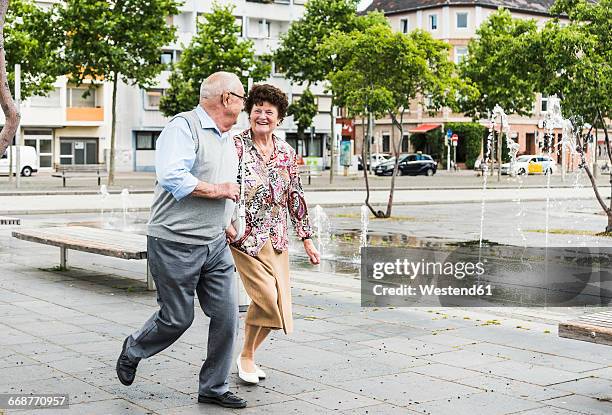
111,161
396,149
368,137
333,141
6,100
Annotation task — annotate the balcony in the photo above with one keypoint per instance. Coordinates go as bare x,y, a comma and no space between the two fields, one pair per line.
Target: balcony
84,114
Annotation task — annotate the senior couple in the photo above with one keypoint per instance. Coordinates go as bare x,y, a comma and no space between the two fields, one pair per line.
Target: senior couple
191,244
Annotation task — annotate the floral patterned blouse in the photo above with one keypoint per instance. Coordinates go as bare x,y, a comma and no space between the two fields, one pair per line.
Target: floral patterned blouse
271,191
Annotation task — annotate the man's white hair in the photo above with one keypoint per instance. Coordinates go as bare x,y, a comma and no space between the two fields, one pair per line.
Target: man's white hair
218,83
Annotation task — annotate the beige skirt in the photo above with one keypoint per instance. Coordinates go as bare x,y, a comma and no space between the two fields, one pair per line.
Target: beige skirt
266,280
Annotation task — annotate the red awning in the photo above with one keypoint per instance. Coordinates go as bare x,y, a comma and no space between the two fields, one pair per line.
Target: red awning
423,128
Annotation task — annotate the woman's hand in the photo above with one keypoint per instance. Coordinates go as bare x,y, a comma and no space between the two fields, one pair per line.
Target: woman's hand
230,234
311,251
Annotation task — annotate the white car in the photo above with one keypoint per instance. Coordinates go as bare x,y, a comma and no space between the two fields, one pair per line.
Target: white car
28,159
376,158
531,164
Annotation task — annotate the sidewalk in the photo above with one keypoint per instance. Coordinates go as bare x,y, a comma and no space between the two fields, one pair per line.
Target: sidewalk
62,332
91,203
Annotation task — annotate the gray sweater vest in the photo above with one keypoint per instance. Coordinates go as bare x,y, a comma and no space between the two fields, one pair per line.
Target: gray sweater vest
196,220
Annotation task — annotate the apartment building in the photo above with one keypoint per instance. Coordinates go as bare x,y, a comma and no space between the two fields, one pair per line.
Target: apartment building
67,128
456,22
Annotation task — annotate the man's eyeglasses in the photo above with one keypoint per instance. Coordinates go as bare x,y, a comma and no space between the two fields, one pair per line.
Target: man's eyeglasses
239,96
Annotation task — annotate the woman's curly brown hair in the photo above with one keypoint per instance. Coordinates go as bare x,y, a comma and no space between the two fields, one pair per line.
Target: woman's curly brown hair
267,93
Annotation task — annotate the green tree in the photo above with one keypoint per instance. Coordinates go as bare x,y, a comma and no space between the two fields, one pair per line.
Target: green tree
575,65
6,100
34,44
501,49
116,40
217,46
382,71
303,110
300,55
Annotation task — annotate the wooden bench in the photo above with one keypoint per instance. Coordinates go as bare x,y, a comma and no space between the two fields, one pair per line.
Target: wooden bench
594,328
79,171
309,171
96,241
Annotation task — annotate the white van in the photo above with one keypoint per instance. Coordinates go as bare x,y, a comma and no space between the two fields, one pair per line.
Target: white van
28,160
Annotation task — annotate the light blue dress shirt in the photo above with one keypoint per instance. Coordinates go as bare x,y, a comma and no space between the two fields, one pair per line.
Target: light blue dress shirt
175,154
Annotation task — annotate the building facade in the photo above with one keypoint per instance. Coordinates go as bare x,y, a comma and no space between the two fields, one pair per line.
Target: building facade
67,128
456,22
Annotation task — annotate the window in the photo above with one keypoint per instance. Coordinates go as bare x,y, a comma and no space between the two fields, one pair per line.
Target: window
462,20
51,100
238,23
405,142
80,97
145,140
544,103
166,58
433,22
460,53
404,25
152,98
264,28
386,142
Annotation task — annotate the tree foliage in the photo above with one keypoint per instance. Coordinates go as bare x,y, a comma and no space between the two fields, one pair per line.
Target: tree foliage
216,46
299,54
576,58
116,40
303,111
34,42
500,64
382,71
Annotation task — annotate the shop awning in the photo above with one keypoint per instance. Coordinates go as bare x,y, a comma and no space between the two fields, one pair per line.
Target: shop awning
423,128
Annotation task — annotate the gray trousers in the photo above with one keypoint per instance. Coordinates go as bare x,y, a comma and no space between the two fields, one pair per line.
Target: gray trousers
180,270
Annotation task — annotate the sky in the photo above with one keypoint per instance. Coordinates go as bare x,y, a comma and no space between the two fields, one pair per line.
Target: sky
364,3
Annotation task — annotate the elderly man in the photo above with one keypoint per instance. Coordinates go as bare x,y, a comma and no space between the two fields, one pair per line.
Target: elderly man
196,166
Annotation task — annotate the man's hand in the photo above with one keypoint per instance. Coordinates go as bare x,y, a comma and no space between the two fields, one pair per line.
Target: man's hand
217,191
230,234
228,191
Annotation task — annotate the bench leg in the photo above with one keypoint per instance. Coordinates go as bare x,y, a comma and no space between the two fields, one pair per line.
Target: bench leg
63,258
150,282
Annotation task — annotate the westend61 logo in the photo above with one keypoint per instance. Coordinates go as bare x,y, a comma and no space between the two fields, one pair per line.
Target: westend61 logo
485,276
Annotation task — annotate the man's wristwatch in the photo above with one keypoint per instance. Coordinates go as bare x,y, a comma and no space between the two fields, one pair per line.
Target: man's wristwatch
306,237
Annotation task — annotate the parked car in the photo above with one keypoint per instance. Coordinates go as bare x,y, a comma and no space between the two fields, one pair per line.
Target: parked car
376,158
409,164
531,164
28,160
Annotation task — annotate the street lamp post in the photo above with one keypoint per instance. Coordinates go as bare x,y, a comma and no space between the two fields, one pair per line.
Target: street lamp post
18,131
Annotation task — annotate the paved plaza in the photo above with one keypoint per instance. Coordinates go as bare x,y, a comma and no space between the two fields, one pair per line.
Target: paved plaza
62,331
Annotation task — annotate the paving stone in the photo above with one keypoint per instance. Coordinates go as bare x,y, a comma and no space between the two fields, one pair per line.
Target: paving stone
336,399
257,396
513,388
535,358
382,409
483,403
548,410
524,372
406,388
101,407
21,376
593,387
149,395
288,383
201,409
464,358
445,372
296,407
605,373
76,364
582,404
406,346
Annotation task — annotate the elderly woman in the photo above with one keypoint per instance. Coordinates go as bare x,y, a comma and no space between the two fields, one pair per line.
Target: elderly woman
272,189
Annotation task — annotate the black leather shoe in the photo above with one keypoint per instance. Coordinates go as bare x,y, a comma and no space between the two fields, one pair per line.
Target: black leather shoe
227,400
126,368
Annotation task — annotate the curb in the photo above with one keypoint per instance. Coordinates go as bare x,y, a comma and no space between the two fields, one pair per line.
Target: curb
326,205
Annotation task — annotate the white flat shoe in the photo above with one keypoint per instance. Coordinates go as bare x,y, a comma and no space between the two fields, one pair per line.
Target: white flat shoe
260,373
248,377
